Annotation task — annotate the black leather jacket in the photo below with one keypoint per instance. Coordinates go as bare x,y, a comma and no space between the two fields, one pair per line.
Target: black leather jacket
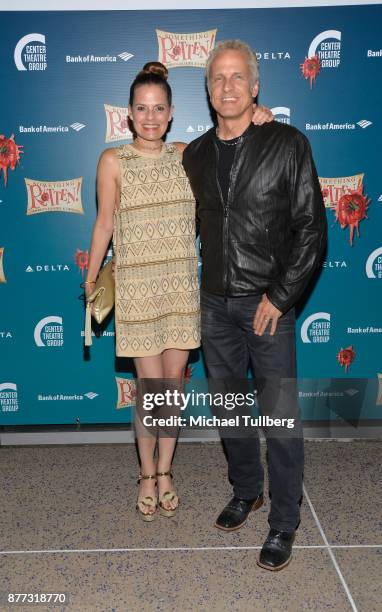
270,234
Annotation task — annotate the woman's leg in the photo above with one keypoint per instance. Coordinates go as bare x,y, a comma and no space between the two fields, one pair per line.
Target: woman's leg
146,368
174,362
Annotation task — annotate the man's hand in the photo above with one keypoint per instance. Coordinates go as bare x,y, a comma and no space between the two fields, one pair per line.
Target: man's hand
261,114
265,313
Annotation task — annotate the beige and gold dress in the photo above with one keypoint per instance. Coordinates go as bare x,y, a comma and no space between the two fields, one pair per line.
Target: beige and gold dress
156,277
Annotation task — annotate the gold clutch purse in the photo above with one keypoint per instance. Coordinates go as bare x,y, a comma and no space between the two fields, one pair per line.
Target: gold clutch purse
101,301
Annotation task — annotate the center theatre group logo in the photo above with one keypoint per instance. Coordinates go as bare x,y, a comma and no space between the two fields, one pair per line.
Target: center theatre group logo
176,49
30,52
117,126
50,196
8,397
2,275
374,264
316,328
324,52
345,195
281,114
49,331
127,392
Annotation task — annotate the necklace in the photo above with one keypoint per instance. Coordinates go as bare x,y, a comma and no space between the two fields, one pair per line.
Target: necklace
148,149
225,142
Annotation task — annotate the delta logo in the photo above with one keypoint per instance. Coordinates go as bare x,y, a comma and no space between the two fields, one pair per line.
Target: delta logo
48,268
9,401
316,328
324,52
178,49
127,392
54,196
49,332
30,53
6,335
373,266
281,114
345,196
191,129
2,275
117,124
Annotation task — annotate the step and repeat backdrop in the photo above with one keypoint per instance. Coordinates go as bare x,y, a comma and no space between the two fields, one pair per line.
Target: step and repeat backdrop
65,79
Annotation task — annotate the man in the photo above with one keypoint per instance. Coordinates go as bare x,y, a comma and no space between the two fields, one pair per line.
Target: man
262,227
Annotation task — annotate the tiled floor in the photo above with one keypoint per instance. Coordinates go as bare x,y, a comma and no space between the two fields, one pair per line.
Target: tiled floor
68,524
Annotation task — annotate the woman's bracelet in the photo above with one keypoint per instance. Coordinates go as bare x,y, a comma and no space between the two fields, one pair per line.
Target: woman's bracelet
87,283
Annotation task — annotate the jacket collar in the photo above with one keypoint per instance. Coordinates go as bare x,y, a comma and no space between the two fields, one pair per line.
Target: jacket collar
249,130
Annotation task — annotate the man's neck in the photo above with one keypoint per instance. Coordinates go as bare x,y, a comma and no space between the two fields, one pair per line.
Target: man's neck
232,128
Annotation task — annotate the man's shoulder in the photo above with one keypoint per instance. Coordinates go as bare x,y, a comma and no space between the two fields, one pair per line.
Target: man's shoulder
195,145
283,131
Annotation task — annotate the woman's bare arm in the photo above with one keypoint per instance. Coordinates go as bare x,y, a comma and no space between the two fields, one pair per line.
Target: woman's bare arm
108,196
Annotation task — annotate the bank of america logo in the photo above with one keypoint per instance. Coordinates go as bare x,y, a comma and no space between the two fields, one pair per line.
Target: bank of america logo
364,123
125,56
77,126
91,395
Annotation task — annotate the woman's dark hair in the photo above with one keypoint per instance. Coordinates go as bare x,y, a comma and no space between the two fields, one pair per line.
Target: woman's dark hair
152,73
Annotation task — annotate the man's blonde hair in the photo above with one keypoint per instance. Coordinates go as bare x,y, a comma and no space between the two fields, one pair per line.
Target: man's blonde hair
234,45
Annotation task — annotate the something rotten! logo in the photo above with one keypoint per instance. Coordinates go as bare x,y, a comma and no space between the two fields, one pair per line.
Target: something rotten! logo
117,125
345,195
126,392
54,196
192,49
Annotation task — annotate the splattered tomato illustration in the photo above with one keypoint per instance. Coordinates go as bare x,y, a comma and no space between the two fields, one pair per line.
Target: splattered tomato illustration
310,68
82,260
9,154
350,210
346,357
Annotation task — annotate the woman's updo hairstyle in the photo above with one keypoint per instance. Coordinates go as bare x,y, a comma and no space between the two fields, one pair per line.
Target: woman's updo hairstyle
152,73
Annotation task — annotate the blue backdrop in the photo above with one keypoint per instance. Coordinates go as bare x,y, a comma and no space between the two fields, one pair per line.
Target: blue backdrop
65,79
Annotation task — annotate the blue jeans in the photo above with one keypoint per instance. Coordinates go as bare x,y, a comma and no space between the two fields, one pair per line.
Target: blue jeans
230,345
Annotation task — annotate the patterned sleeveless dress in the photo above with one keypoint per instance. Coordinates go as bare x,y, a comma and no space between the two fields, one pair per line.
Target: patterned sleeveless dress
156,277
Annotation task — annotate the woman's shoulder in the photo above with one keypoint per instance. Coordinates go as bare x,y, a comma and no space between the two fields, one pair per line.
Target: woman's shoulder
179,146
109,155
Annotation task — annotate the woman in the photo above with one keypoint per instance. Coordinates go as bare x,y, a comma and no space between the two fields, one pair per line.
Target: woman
146,204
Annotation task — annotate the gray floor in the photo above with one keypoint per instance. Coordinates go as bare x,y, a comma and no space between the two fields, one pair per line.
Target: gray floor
68,525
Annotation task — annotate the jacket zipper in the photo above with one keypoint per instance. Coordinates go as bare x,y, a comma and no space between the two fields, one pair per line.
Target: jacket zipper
225,214
269,245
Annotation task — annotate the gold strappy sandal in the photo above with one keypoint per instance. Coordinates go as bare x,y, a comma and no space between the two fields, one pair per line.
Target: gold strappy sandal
167,496
146,501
